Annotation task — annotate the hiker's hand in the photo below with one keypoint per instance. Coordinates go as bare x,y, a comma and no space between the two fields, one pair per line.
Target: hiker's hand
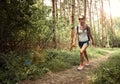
74,44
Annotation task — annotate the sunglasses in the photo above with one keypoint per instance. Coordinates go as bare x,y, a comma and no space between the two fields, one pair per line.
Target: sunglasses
81,19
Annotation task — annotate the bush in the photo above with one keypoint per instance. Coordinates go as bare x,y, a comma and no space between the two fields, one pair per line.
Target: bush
20,67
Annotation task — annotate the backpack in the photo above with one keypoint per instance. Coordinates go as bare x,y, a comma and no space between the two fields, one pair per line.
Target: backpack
87,32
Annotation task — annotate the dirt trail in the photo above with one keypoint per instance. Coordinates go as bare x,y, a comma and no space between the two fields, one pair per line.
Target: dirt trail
69,76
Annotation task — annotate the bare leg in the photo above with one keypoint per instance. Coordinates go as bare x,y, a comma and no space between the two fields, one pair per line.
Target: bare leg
86,56
82,53
81,58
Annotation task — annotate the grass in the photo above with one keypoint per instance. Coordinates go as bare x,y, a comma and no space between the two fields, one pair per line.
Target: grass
33,64
108,73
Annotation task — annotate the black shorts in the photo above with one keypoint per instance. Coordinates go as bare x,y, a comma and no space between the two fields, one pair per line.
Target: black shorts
83,43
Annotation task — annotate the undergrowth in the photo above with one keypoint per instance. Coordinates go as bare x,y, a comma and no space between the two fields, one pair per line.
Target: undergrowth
33,64
109,72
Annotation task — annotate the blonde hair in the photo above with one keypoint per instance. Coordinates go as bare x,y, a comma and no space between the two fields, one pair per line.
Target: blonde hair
81,16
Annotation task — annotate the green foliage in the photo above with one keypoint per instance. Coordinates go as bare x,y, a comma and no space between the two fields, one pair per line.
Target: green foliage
114,37
30,64
14,18
62,60
97,52
108,73
63,33
33,64
24,25
17,67
41,33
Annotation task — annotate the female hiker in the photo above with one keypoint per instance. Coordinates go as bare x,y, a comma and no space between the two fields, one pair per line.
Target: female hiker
83,32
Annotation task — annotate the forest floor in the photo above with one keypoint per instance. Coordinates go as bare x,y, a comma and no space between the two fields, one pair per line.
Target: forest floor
70,76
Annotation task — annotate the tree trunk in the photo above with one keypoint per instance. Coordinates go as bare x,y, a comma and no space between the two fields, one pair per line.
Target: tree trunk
85,8
111,33
60,8
72,20
56,9
78,7
103,24
54,23
90,9
111,23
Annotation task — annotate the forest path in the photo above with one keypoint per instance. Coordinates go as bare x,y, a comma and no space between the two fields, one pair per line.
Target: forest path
70,76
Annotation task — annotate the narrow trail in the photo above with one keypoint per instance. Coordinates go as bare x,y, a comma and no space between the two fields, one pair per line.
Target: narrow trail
70,76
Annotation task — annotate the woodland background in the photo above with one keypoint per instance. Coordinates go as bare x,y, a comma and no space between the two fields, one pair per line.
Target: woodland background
30,30
27,24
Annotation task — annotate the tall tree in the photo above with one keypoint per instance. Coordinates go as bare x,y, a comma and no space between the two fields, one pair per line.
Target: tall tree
90,12
103,24
85,2
14,16
54,22
72,23
56,9
111,23
79,12
60,8
110,32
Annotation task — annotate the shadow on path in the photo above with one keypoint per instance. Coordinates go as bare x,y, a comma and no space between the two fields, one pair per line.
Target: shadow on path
70,76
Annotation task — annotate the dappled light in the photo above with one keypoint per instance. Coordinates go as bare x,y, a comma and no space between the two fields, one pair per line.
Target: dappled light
59,41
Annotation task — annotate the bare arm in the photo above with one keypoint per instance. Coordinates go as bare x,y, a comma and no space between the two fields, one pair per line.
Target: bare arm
90,34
